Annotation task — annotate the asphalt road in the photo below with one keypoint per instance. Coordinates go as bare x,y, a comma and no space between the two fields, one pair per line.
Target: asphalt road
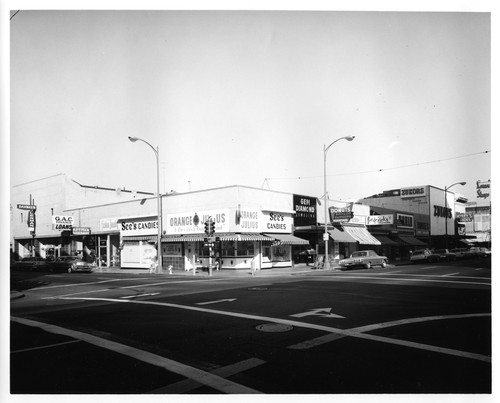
407,329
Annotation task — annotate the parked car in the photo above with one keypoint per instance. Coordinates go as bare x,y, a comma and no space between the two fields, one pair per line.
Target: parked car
363,258
71,264
462,253
479,252
424,255
445,255
30,264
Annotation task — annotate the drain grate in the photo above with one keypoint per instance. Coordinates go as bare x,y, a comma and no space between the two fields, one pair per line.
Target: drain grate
274,328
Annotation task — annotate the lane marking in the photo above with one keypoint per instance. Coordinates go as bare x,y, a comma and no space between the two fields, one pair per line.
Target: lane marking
122,288
44,347
216,302
368,328
187,385
449,274
399,279
203,377
122,279
142,295
324,312
328,329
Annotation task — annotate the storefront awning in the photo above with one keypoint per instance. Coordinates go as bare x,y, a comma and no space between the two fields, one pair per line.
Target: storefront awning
362,235
222,237
184,238
386,240
243,237
149,238
412,241
340,235
287,239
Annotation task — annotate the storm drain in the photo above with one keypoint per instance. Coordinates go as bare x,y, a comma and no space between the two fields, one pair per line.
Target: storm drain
274,328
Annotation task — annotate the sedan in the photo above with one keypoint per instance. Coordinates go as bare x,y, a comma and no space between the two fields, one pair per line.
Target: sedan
445,255
424,255
30,264
363,258
71,264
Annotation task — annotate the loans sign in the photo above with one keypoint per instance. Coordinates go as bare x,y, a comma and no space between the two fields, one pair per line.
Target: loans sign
62,222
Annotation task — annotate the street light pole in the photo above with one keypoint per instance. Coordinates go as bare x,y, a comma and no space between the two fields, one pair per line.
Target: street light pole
158,197
446,208
325,235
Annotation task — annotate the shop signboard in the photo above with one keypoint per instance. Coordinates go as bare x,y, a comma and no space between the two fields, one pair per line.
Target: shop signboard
305,210
341,214
384,219
81,230
483,189
276,222
193,222
404,220
62,222
137,227
416,191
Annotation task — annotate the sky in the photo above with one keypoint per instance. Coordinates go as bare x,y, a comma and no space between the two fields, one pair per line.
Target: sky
251,97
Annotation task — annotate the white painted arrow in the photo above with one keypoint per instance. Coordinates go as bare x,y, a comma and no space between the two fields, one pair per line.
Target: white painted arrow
216,302
324,312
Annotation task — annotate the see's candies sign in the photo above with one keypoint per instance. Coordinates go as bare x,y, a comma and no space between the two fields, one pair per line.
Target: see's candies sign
61,222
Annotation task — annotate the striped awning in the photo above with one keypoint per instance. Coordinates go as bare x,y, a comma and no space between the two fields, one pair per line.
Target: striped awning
340,235
221,236
243,237
149,238
287,239
184,238
361,235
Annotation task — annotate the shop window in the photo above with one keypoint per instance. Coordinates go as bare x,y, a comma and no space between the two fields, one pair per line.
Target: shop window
281,253
228,248
245,248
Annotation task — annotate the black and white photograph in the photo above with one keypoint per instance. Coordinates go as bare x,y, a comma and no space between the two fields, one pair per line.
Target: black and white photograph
290,200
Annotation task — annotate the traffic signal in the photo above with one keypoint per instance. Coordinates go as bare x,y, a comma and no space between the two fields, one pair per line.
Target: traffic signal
207,228
212,227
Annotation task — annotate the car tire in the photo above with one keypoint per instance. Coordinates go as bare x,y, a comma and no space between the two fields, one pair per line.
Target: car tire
384,264
369,265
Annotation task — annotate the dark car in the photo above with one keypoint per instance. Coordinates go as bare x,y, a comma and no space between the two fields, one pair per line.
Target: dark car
71,264
30,264
445,255
363,258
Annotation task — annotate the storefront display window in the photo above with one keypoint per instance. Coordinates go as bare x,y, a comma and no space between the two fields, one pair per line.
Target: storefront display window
281,253
245,248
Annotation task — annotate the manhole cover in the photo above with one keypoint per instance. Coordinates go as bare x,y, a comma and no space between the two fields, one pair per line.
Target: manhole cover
274,328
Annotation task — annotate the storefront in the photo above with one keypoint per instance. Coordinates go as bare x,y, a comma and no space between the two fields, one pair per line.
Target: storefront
139,236
244,238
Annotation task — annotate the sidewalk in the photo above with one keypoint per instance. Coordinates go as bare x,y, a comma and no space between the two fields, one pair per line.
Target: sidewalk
298,268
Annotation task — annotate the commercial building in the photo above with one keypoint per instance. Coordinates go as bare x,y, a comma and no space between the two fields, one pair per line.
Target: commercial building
254,228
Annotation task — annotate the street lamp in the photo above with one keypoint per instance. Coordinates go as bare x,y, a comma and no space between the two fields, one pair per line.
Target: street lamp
157,154
325,235
446,208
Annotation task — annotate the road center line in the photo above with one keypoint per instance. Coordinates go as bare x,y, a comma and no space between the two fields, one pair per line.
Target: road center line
295,323
203,377
44,347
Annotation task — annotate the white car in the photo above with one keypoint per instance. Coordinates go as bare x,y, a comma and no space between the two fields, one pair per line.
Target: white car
424,255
